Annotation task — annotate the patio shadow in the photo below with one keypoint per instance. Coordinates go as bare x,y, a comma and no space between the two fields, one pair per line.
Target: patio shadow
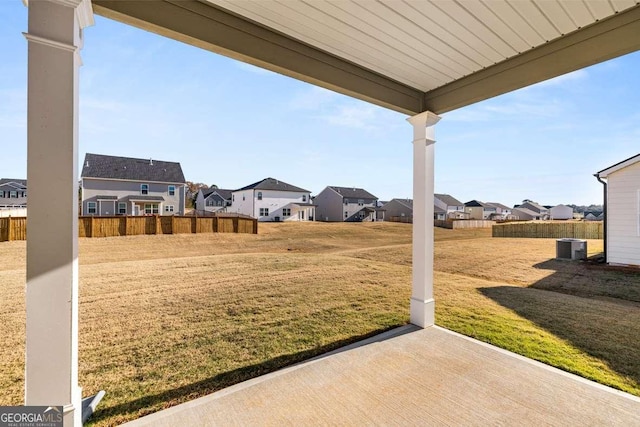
606,329
149,404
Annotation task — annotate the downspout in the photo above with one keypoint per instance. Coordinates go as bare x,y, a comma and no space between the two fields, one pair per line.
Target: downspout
604,211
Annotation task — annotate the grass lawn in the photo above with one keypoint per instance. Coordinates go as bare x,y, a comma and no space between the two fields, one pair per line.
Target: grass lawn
165,319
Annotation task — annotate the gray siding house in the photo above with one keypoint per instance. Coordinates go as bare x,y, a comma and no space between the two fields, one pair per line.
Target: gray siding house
213,199
453,207
399,210
112,185
13,193
347,204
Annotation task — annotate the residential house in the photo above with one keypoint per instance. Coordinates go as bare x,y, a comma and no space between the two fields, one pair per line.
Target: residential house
349,204
502,212
213,199
273,200
113,185
526,214
535,207
622,211
13,193
561,212
439,214
479,210
399,210
452,206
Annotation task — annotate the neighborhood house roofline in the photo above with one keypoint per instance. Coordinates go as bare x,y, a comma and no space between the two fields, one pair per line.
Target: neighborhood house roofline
141,181
274,185
497,205
620,165
352,192
405,202
527,211
131,169
448,200
225,194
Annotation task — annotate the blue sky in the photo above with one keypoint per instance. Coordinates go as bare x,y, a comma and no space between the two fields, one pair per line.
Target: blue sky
232,124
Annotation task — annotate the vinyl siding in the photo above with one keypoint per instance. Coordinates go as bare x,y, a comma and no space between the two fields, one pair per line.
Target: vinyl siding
92,188
329,206
623,216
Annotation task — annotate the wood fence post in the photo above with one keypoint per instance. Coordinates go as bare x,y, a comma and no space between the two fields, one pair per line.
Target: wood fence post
173,224
158,224
194,224
126,225
10,229
255,226
214,226
93,232
235,224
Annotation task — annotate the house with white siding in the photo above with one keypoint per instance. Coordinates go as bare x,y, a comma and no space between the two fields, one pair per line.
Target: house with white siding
561,212
273,200
453,208
622,211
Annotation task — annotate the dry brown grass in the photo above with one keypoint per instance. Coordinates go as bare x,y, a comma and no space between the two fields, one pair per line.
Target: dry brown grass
164,319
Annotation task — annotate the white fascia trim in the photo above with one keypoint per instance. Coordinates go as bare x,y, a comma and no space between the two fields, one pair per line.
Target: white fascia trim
84,10
606,172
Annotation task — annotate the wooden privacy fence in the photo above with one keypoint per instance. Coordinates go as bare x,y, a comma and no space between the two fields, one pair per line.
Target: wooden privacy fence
551,230
100,226
463,223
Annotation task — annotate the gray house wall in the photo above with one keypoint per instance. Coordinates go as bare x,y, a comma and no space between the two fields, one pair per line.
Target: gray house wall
329,206
395,208
94,187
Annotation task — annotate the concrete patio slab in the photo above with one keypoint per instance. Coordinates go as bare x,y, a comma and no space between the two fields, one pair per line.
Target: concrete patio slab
410,376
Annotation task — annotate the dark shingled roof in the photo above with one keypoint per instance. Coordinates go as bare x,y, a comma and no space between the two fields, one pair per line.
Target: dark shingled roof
352,192
475,203
448,200
497,205
407,202
225,194
126,168
273,184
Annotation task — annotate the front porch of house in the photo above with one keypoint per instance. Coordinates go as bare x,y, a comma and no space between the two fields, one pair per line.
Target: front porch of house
411,376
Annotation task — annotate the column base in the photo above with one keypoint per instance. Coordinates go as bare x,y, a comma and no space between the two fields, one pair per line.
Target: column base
422,312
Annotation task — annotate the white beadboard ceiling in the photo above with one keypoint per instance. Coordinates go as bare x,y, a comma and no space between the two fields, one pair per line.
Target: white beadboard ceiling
425,44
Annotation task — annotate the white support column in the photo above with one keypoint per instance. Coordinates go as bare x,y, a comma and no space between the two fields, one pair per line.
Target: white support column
422,304
54,39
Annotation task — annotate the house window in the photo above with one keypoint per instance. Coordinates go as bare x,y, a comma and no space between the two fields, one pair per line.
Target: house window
259,195
304,197
346,201
168,208
172,190
219,203
210,202
92,208
233,197
1,193
122,208
264,211
144,188
151,208
360,202
286,211
13,194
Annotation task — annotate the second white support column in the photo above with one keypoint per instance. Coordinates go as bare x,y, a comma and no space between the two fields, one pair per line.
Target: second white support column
422,310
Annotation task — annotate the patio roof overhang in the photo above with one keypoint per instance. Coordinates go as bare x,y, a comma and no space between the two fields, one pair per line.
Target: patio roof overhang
408,56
